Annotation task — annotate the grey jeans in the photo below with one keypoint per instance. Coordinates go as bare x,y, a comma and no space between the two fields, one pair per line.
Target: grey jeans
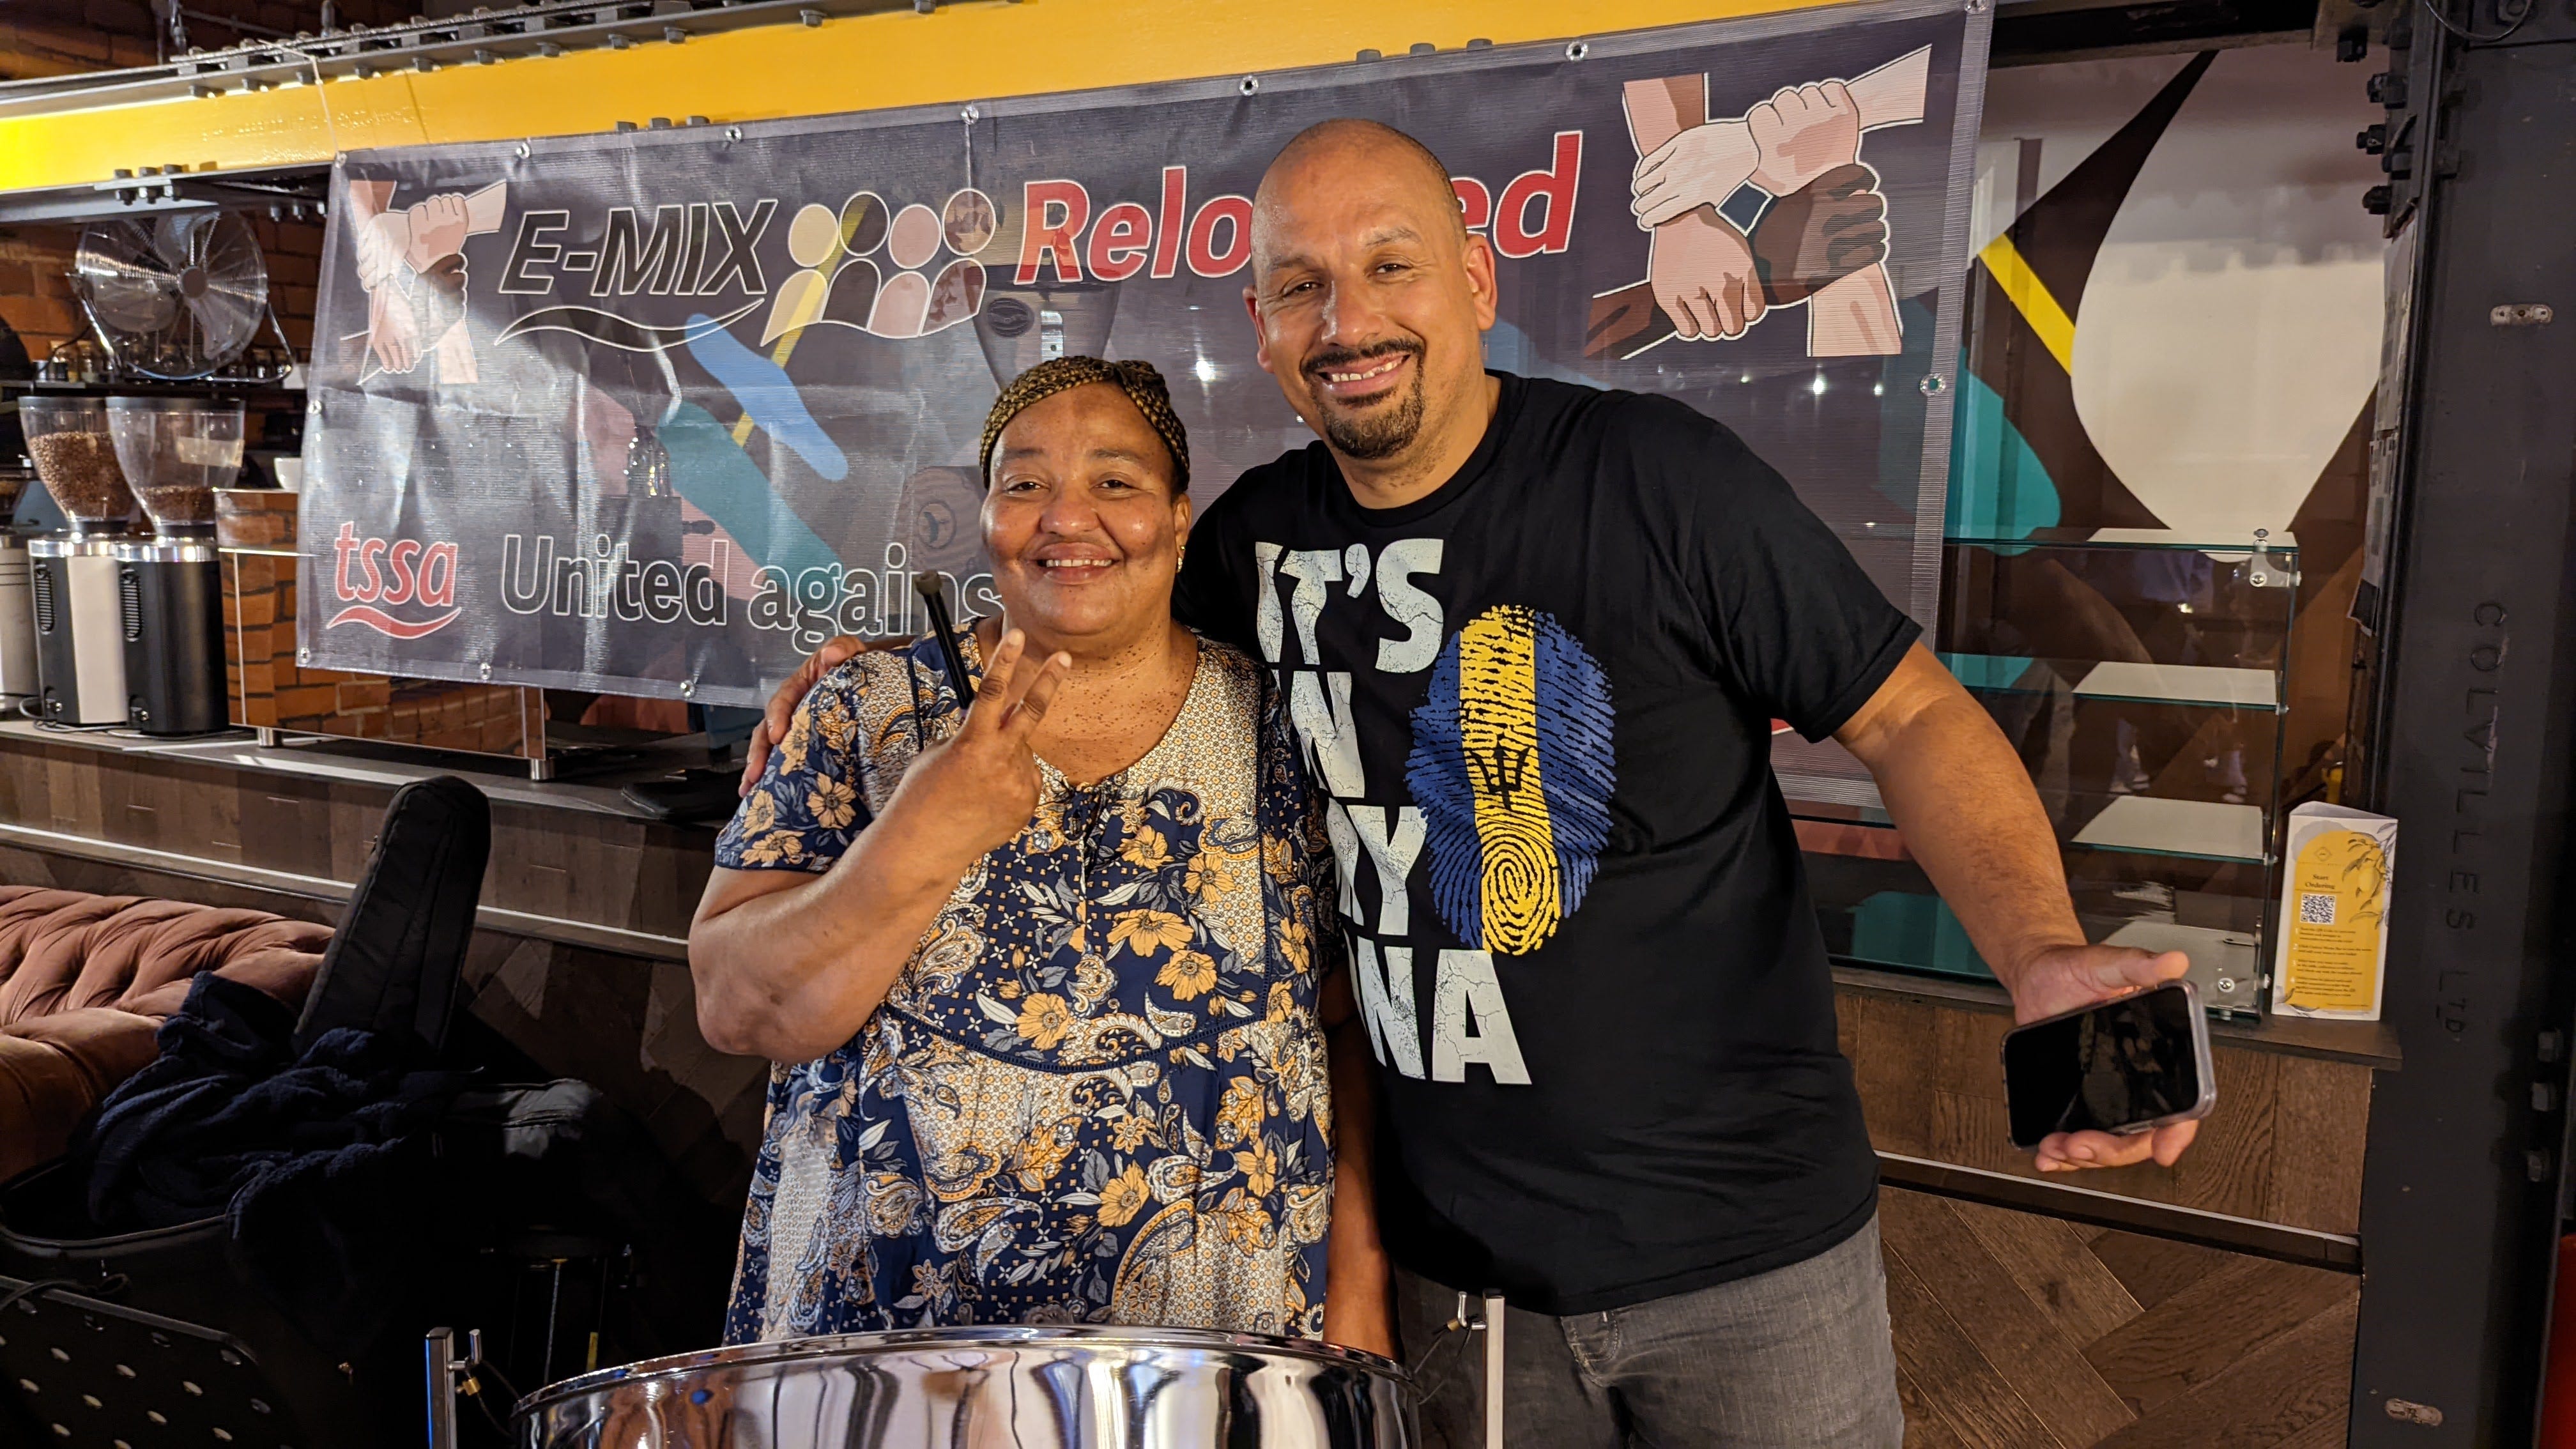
1796,1358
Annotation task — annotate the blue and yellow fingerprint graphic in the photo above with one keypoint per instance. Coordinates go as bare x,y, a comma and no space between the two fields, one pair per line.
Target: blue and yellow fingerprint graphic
1513,769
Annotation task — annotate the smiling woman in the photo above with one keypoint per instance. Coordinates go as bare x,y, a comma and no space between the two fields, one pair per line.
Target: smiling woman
1042,950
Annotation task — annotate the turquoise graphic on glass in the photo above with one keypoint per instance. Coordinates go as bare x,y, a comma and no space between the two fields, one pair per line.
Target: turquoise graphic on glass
1901,928
1998,490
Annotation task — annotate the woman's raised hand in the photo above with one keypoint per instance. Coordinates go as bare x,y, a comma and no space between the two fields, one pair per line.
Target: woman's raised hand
978,788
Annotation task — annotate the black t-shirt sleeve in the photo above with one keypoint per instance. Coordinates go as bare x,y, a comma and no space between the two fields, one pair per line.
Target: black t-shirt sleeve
1215,592
1805,632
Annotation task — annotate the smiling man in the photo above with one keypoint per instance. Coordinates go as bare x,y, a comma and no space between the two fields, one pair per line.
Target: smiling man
1533,636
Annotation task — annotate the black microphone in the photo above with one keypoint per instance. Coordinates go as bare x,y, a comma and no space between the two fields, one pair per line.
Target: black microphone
951,656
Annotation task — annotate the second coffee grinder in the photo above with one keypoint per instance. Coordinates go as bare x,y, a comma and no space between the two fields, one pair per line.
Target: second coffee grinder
176,452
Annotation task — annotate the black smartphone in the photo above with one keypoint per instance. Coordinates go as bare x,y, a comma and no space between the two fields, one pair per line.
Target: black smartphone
2129,1065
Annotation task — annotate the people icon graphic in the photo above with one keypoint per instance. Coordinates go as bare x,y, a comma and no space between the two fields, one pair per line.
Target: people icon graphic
838,280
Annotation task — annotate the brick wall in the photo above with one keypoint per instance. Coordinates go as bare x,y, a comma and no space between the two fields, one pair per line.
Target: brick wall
293,250
65,37
69,37
62,37
35,287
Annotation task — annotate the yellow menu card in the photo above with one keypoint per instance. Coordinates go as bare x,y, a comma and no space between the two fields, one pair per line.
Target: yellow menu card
2334,913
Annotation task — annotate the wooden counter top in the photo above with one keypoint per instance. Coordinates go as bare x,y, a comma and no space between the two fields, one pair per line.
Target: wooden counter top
594,790
2364,1043
572,860
2276,1172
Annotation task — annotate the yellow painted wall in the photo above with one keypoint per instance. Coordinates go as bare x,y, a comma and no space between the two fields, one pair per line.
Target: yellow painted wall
976,50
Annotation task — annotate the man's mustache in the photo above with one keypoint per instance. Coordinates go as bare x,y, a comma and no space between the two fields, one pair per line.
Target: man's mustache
1340,359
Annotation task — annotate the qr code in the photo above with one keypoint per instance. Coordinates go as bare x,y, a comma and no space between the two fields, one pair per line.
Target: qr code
2316,909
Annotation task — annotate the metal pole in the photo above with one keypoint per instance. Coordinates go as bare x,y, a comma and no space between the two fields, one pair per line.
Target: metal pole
438,1352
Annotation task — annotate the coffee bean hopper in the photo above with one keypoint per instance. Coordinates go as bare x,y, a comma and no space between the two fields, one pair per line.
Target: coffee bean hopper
80,622
175,452
1052,1387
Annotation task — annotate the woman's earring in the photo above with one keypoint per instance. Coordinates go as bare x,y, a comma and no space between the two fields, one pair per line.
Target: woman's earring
1182,555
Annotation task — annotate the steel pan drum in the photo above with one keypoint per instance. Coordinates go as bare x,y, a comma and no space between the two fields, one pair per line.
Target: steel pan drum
1076,1387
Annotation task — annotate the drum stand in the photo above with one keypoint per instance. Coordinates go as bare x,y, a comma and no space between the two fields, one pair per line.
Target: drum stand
447,1374
1493,1371
85,1371
1489,1322
1492,1324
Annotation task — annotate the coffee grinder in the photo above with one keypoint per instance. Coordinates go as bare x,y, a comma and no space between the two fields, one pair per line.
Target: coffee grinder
80,623
175,451
18,687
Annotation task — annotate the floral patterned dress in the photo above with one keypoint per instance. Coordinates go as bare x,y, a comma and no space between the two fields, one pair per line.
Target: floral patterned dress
1097,1091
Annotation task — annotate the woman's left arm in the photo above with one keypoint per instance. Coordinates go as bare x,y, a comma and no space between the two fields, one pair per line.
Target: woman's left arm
1359,1299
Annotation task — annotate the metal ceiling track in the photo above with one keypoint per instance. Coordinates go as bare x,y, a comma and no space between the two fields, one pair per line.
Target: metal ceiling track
285,192
252,125
485,37
254,115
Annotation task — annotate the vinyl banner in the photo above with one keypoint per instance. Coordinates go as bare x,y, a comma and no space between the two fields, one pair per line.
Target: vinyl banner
656,412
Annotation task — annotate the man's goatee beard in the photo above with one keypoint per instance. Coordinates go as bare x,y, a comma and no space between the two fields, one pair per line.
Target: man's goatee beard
1382,432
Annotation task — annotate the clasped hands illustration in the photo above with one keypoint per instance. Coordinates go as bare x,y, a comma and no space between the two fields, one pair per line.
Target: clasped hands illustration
1821,237
423,241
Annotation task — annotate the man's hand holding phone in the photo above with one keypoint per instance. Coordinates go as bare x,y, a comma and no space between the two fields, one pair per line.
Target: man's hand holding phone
2061,979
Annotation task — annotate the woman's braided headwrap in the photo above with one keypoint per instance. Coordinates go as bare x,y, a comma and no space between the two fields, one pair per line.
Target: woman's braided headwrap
1142,384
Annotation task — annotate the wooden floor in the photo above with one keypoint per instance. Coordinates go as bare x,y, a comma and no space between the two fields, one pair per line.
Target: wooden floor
2023,1332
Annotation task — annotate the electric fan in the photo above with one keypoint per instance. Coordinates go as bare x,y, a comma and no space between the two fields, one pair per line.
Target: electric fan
175,296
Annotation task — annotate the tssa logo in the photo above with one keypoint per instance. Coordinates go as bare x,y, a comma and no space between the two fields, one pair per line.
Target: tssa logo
366,572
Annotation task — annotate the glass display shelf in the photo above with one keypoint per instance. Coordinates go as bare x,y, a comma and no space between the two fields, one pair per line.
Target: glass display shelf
1911,931
2134,539
2216,831
2188,829
2122,595
2138,674
1881,912
2126,681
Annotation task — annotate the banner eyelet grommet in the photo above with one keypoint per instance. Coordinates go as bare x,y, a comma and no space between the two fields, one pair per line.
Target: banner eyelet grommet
1931,384
688,688
1249,84
1578,50
483,671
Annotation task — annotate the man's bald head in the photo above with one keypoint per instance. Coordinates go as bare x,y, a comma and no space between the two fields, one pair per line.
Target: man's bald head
1371,298
1328,147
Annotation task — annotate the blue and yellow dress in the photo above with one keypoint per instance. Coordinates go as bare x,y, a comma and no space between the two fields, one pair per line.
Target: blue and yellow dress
1097,1091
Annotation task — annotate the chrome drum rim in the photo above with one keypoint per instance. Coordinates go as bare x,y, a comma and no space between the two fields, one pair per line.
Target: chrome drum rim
997,1336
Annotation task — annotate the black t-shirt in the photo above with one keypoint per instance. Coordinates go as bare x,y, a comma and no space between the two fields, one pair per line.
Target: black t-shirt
1541,699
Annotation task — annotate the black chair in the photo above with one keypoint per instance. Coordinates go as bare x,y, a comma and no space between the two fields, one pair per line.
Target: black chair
103,1333
393,964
